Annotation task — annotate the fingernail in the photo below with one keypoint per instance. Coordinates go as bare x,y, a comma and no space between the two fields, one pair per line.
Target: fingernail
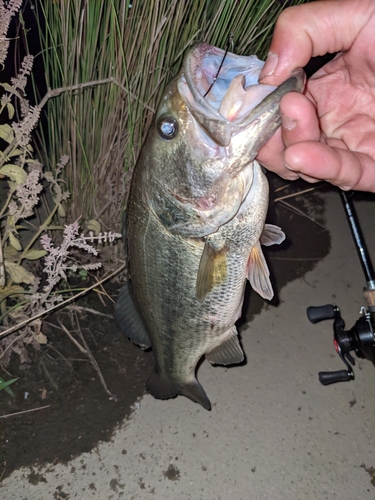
288,167
287,122
270,65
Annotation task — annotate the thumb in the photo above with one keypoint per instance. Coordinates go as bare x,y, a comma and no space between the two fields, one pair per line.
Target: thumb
313,29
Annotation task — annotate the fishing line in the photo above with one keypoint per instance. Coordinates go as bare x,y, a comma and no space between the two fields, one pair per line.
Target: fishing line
229,44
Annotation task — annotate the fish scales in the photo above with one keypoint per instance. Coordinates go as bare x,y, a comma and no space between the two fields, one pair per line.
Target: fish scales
195,220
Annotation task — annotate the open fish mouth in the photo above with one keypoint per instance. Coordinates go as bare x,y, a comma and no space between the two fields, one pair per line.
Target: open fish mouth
223,93
227,82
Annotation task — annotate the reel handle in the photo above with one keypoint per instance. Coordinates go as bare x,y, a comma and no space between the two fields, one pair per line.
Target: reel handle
320,313
327,378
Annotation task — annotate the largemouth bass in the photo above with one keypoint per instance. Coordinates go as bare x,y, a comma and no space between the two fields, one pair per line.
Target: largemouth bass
195,218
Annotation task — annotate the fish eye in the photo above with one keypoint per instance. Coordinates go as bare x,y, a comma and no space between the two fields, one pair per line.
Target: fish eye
167,128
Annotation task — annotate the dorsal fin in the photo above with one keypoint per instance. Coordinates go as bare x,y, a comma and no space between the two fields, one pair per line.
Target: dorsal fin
128,319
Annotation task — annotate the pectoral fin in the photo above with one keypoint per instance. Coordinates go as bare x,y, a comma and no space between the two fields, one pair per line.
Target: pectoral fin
228,353
272,235
212,269
258,273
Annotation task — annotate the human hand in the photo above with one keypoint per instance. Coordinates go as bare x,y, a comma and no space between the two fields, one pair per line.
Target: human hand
329,132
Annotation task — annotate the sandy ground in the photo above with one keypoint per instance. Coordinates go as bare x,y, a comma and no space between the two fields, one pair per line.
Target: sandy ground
274,431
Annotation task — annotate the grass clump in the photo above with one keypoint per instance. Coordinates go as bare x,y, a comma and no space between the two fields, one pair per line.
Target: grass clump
136,47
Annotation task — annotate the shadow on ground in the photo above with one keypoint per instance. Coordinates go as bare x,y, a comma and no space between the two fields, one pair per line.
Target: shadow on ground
80,412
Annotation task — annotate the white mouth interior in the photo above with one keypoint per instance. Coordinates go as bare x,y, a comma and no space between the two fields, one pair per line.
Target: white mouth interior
236,90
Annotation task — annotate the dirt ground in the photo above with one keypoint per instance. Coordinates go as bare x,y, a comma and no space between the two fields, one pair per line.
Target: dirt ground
78,412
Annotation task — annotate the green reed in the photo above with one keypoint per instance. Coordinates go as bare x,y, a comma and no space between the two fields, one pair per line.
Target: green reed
139,44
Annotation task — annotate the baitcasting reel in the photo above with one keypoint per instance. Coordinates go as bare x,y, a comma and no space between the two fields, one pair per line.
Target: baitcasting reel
360,338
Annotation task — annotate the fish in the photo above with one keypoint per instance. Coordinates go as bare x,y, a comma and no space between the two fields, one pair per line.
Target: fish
195,218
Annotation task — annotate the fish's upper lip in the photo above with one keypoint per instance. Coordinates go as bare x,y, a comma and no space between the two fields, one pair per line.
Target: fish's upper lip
192,63
209,119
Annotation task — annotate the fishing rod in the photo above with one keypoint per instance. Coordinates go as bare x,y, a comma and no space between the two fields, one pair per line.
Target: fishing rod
360,338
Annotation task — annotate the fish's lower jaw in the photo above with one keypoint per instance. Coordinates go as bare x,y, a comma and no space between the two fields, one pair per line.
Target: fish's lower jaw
162,388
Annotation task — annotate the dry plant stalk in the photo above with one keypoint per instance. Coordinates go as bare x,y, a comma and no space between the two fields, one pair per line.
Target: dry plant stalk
23,301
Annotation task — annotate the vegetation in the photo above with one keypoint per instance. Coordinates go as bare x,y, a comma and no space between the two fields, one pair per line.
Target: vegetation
33,258
133,48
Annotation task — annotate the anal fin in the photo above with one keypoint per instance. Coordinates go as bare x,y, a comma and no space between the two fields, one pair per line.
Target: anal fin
258,273
128,319
227,353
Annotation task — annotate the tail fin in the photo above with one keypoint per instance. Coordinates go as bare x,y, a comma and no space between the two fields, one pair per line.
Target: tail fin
162,388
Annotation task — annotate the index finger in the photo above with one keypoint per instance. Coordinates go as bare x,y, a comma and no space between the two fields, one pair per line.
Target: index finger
313,29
